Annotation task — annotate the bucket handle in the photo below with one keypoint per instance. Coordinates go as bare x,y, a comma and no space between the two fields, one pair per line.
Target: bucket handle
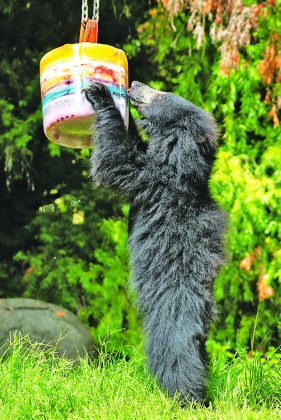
89,31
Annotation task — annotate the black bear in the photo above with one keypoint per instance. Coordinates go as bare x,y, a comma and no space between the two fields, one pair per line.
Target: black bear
175,228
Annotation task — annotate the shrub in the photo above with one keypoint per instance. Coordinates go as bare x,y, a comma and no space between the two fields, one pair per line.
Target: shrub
81,262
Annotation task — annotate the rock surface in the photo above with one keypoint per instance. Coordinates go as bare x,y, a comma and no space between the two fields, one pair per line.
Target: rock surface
44,323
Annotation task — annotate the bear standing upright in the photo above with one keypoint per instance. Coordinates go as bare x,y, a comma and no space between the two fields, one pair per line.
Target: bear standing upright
175,227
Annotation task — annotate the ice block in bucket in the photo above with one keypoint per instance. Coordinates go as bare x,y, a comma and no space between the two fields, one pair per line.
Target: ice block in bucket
64,72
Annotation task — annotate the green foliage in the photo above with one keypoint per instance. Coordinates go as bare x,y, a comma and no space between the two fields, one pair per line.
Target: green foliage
46,251
246,178
81,262
59,240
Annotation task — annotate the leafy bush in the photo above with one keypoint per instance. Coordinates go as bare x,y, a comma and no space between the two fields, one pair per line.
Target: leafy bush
59,240
81,262
246,178
55,233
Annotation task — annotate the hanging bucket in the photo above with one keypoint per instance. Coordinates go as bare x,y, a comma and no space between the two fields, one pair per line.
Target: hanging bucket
64,73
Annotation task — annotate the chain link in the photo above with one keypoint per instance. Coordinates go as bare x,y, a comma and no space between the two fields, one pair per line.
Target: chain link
84,15
96,9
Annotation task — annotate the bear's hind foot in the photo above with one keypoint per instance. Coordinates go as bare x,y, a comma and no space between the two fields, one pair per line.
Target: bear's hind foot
187,401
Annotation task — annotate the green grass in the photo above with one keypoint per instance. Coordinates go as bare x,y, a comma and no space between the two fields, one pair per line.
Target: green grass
37,385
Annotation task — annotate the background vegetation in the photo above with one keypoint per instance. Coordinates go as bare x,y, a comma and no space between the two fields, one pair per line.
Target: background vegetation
64,241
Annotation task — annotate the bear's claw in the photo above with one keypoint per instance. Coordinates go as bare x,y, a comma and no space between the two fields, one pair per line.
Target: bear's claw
96,92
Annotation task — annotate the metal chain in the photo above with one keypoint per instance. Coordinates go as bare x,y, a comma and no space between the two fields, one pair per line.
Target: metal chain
96,9
84,16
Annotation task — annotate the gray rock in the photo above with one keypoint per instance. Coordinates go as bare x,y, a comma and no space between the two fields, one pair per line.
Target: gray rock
44,323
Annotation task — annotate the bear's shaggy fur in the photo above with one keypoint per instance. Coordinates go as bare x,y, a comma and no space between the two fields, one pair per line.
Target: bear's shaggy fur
175,227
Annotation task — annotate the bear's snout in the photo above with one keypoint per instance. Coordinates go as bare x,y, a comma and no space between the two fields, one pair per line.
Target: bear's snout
135,83
136,93
141,94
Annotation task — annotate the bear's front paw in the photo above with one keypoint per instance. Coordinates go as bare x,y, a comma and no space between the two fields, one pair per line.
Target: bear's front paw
97,93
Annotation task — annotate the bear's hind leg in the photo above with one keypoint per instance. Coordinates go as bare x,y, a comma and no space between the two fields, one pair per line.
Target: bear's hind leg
177,327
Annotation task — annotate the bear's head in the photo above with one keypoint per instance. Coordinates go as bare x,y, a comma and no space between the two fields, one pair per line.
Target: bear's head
182,135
